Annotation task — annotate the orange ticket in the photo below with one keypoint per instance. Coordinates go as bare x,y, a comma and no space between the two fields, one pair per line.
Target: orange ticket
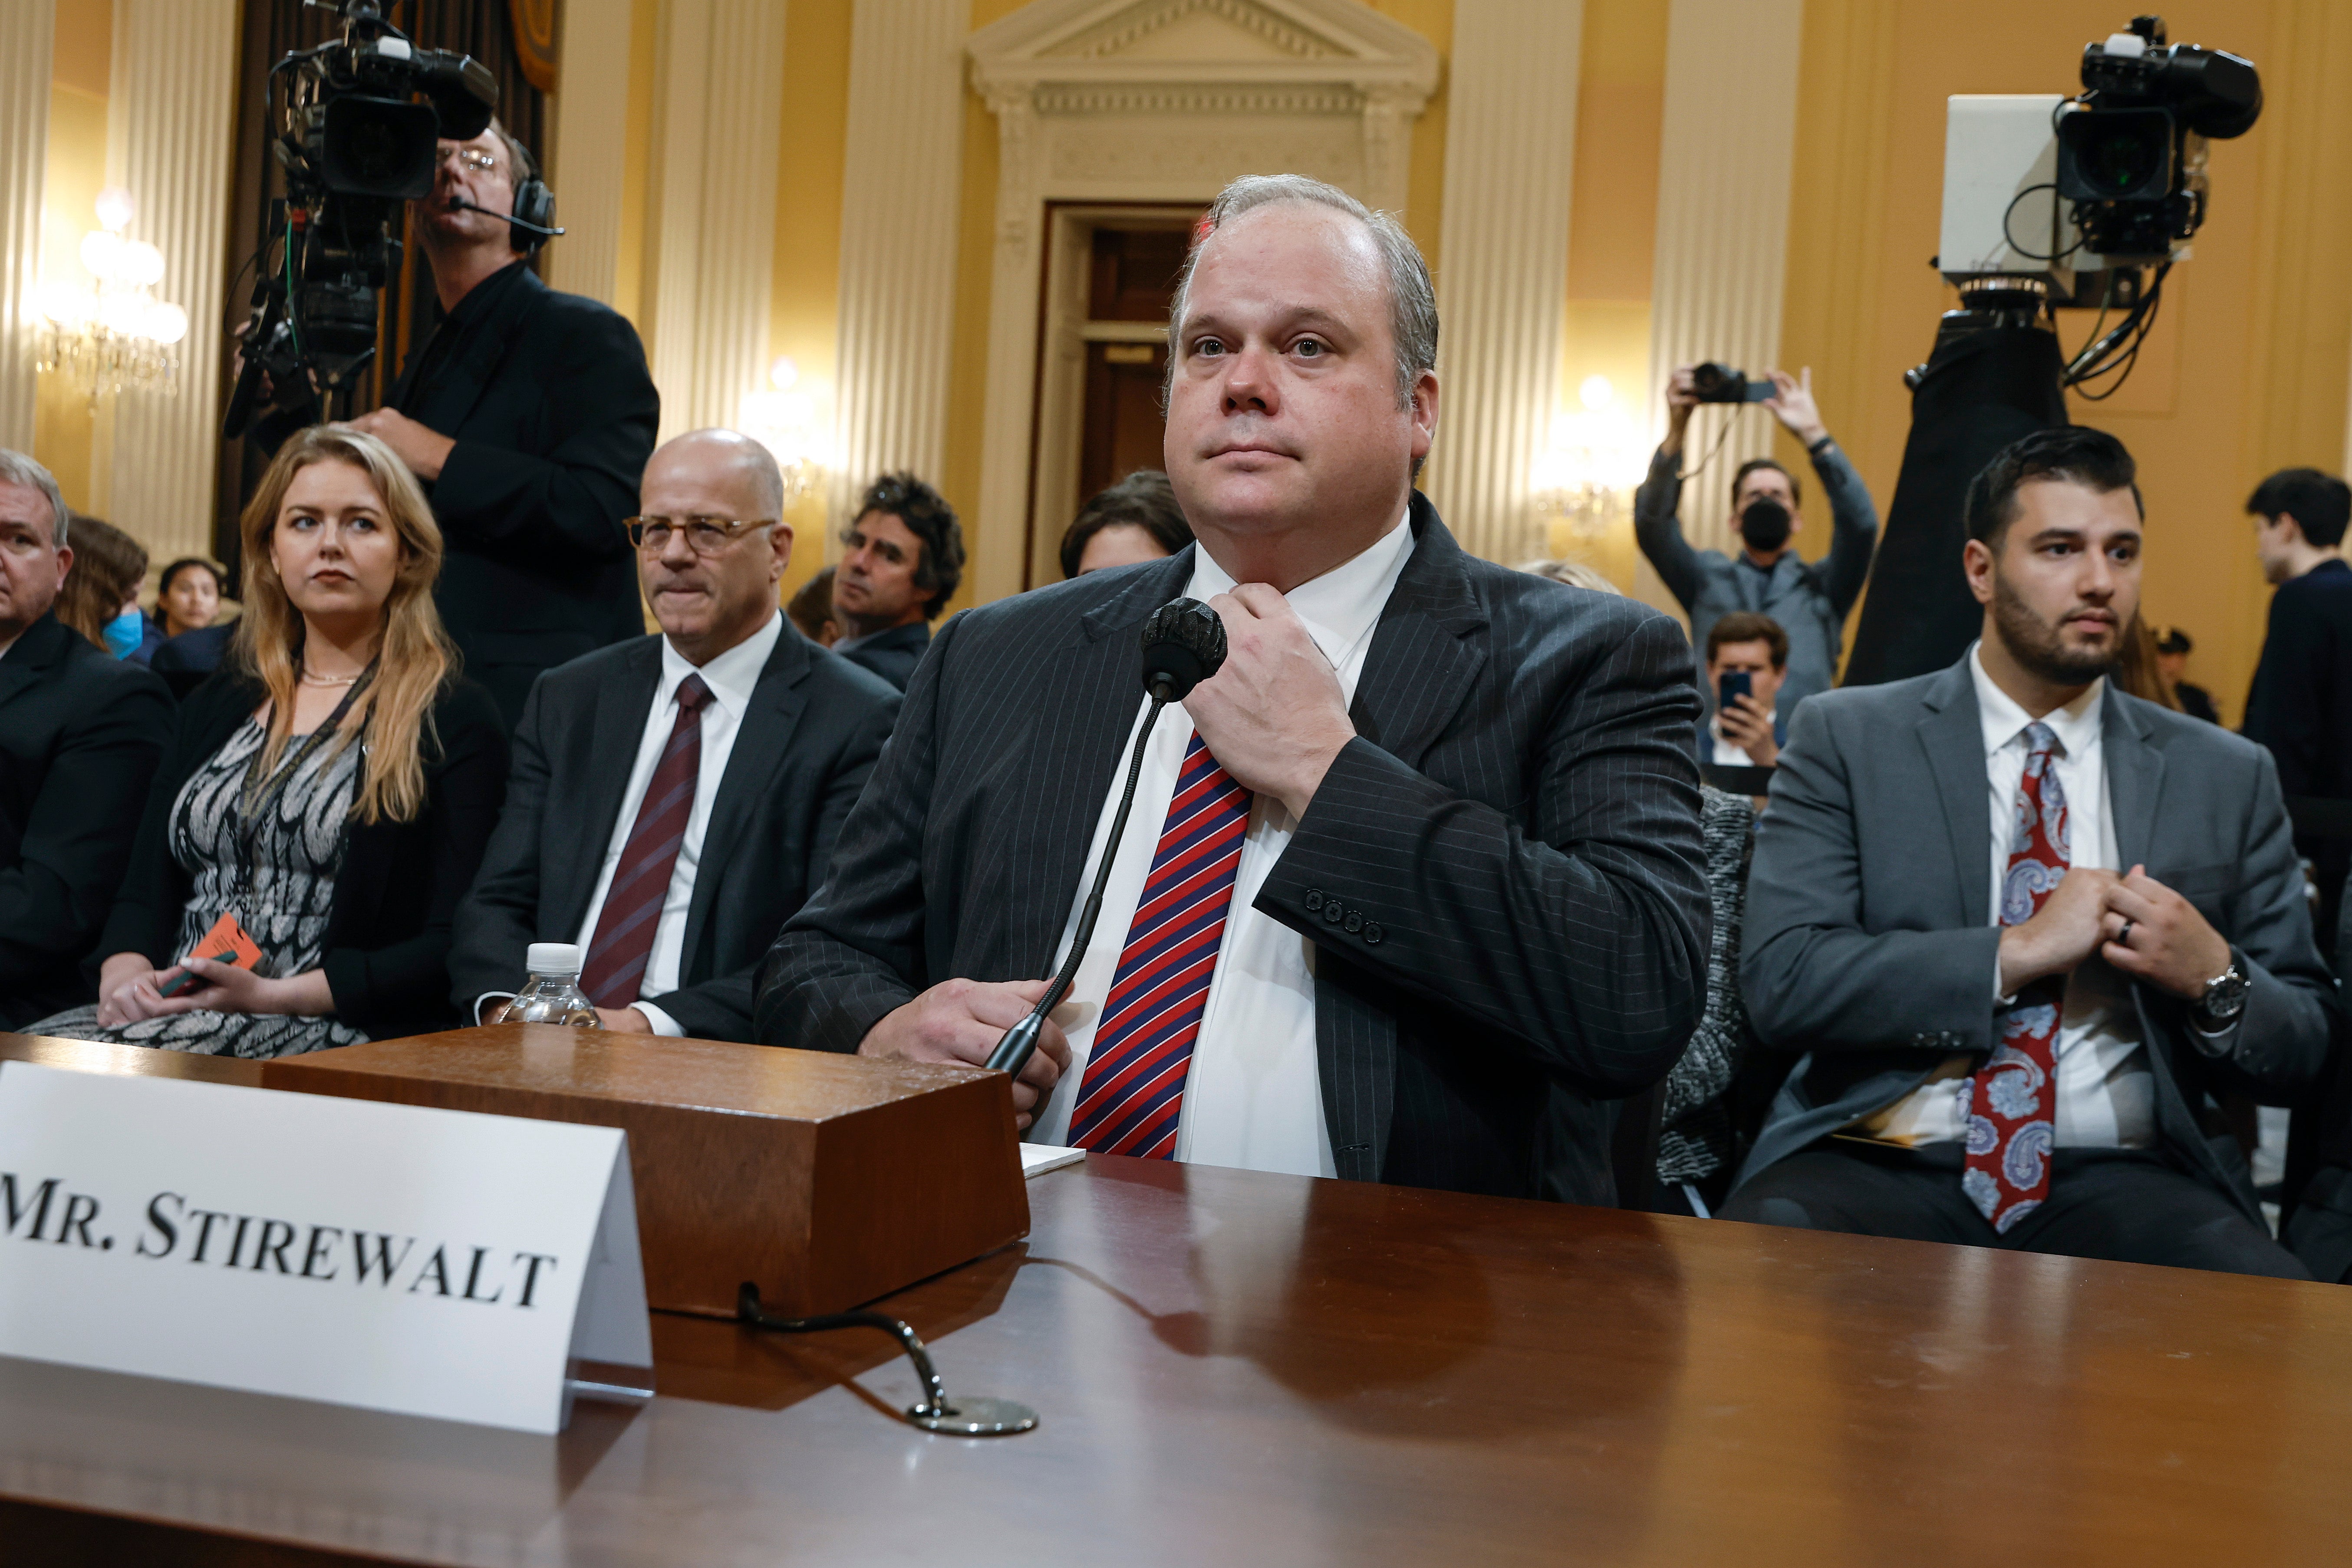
227,943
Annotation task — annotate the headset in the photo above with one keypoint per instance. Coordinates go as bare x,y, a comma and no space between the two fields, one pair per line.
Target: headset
534,213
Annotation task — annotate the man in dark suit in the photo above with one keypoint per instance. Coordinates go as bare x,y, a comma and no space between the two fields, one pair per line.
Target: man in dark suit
80,735
1412,888
2300,705
2029,929
902,559
528,414
676,797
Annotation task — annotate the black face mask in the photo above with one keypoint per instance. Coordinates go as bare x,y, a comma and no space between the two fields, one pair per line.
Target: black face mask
1765,525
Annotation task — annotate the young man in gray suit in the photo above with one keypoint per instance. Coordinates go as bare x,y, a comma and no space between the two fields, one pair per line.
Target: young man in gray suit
674,798
1412,889
2029,929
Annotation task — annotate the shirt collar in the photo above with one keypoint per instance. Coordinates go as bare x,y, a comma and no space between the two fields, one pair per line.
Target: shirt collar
2077,725
1342,606
731,676
482,295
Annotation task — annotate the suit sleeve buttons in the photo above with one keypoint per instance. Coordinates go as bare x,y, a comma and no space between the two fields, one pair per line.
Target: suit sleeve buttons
1354,922
1372,934
1332,913
1314,901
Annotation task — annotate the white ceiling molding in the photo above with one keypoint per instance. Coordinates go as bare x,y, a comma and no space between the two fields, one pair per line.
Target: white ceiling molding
1161,101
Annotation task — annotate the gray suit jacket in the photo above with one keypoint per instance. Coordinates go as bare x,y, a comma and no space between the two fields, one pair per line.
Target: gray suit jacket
1868,941
1501,874
809,739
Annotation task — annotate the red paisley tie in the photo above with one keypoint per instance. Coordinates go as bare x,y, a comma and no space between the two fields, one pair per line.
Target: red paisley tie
2015,1096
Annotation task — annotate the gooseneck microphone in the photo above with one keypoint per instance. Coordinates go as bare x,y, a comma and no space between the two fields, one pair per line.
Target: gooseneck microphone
462,204
1184,645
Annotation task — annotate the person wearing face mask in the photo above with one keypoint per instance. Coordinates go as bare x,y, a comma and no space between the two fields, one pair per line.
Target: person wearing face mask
325,799
675,799
101,599
527,415
1766,577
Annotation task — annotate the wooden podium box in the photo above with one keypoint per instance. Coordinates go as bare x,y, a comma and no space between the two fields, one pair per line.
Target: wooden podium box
826,1180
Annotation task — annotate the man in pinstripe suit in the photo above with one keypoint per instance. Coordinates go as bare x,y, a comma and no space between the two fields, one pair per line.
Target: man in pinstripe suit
1412,888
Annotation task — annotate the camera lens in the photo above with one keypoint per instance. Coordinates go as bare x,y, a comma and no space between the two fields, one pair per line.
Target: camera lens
2120,162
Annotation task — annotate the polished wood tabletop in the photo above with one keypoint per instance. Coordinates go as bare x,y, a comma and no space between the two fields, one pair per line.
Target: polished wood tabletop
1236,1368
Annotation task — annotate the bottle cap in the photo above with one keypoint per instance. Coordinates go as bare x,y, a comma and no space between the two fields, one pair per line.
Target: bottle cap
553,958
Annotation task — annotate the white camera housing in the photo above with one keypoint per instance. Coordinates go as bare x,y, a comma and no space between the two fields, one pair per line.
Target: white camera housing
2002,217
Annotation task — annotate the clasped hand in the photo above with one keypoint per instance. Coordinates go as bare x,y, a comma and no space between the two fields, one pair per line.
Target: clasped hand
2134,922
130,990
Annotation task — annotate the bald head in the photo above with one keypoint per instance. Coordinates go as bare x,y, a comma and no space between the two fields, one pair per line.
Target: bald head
728,459
712,584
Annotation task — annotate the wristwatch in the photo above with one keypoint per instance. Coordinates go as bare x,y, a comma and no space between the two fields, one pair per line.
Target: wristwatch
2224,999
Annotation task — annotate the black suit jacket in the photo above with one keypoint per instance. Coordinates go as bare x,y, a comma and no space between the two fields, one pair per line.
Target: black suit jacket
80,733
893,655
388,928
2300,705
814,727
1502,874
554,412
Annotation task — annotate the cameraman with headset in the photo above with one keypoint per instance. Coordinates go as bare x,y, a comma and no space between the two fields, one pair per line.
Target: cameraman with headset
1767,577
529,414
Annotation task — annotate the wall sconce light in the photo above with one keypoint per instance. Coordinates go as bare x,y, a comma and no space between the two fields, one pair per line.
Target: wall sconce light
1588,469
111,334
785,417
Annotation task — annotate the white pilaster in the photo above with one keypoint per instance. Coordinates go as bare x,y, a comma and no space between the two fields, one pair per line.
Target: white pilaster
171,137
591,150
1510,148
717,122
1724,168
900,200
26,30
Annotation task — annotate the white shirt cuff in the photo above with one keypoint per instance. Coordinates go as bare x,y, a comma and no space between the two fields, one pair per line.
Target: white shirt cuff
661,1022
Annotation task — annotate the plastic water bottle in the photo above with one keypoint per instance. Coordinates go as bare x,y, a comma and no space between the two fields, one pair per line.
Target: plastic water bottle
553,995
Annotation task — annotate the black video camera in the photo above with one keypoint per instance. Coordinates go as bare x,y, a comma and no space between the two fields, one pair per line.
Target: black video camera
2131,148
358,134
1713,382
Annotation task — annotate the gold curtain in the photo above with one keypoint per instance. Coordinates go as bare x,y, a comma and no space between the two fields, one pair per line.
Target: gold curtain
534,36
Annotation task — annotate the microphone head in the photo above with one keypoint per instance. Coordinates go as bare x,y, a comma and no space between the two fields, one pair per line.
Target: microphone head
1184,645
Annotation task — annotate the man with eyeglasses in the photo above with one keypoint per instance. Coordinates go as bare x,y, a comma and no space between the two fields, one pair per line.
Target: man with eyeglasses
529,414
675,799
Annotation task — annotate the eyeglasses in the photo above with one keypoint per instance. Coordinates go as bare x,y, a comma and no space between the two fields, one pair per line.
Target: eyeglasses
472,158
707,535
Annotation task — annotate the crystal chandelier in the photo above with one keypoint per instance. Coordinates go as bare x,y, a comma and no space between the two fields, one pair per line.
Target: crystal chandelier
112,334
1587,474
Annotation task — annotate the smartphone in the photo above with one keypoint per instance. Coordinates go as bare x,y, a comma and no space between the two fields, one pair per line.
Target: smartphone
1732,683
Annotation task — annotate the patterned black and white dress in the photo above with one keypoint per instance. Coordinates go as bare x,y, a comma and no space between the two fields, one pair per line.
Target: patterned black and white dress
283,900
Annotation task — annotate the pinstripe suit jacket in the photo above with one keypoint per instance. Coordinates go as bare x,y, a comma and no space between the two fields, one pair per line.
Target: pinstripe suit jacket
1502,874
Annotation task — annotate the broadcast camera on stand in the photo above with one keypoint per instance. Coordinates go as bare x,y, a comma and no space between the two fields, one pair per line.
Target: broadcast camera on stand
357,124
2050,204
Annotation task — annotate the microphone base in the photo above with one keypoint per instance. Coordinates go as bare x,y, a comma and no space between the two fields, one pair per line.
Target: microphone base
975,1415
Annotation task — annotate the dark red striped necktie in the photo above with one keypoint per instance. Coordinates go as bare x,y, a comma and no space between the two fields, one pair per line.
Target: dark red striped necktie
633,904
1133,1091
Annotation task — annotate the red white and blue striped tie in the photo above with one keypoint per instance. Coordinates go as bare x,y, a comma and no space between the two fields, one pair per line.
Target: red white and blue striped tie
1134,1086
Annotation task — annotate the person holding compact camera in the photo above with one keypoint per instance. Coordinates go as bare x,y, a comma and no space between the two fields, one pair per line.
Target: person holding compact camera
1767,577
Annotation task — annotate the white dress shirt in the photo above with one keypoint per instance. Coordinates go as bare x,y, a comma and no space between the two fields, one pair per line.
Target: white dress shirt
731,676
2106,1094
1253,1095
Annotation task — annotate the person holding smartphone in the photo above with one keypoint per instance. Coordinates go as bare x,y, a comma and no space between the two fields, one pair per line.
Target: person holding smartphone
1747,660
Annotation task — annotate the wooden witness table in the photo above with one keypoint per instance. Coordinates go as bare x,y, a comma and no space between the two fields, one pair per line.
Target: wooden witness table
1236,1368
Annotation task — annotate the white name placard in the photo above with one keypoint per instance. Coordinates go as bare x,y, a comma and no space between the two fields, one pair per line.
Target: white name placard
435,1263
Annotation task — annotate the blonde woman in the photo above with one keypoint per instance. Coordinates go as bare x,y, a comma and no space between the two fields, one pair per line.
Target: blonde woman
329,793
